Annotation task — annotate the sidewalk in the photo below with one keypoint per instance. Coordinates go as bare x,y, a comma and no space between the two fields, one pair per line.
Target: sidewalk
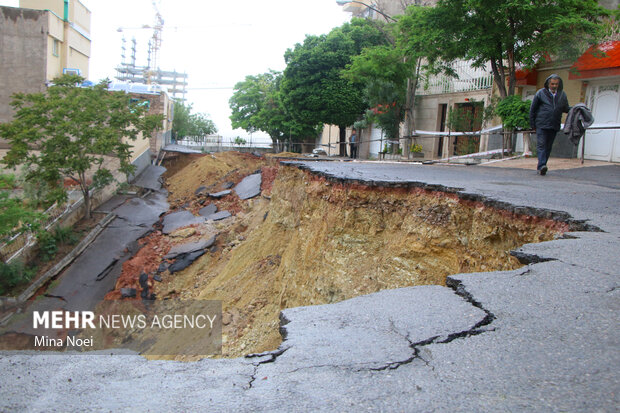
554,163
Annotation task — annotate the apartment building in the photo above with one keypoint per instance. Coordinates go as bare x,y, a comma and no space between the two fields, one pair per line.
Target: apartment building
592,80
41,40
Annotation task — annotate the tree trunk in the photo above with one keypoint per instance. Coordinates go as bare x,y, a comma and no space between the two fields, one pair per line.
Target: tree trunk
343,140
500,79
85,194
412,84
87,202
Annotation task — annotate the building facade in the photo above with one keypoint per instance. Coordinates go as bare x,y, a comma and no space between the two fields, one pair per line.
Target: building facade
41,40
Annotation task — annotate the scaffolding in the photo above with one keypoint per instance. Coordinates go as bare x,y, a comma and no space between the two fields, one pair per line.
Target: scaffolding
175,83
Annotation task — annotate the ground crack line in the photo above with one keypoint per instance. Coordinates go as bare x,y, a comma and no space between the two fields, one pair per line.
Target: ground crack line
273,356
458,288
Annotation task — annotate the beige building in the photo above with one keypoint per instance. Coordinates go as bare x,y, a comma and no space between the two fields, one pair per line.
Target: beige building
41,40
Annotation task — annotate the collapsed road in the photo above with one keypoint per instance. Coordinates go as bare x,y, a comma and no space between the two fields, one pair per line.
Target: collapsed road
94,272
540,337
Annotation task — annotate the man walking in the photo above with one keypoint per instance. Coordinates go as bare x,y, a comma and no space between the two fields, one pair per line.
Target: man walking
545,116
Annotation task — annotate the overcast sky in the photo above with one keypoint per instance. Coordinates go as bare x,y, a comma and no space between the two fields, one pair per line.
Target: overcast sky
217,43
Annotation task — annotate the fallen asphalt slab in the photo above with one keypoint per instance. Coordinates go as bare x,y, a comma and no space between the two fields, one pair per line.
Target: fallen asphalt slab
543,337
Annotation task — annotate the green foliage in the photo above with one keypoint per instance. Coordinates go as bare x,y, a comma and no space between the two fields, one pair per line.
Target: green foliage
13,275
65,235
239,141
7,181
466,118
16,216
313,87
514,112
384,70
416,148
256,105
504,33
464,121
47,246
36,192
74,129
187,124
48,242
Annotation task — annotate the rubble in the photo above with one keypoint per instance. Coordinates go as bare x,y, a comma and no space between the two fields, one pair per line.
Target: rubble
178,220
180,249
208,210
249,187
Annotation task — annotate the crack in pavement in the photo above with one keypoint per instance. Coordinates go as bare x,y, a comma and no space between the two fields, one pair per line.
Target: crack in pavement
273,356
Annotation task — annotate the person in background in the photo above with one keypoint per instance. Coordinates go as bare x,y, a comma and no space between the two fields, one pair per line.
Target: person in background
354,143
546,115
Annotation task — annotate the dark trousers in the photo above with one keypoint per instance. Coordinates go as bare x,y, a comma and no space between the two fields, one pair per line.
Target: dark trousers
354,150
544,138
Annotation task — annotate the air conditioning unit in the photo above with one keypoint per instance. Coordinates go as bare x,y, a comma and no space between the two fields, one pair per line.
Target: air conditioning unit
69,71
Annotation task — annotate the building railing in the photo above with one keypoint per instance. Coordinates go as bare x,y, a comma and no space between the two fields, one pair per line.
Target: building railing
468,79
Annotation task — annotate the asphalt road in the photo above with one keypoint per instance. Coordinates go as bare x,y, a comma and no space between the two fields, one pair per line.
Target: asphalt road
544,337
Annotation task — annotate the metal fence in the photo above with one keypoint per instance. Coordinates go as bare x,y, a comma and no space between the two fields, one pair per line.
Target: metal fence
497,143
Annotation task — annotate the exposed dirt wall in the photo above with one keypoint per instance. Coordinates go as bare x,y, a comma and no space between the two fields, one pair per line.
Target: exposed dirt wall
316,242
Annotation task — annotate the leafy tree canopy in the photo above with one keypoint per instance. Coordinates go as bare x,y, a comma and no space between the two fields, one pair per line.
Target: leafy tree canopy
69,130
256,104
384,70
313,87
504,33
187,124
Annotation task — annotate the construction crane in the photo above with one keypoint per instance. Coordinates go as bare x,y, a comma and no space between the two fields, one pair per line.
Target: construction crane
154,42
174,82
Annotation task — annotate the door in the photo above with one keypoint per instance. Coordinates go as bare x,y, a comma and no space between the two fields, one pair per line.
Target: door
603,144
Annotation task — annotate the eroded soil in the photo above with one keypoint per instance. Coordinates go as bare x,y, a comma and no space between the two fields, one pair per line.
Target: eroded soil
307,241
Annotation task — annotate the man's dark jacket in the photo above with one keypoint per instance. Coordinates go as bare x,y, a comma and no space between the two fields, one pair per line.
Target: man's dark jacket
546,110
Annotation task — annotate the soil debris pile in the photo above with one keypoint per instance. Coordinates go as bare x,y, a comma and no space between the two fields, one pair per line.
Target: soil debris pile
211,172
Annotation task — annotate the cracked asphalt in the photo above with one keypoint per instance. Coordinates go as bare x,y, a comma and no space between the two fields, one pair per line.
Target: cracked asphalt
543,337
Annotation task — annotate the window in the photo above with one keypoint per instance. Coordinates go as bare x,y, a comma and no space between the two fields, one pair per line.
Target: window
56,47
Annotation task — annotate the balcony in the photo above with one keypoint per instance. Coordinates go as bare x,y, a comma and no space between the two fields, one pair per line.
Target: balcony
468,79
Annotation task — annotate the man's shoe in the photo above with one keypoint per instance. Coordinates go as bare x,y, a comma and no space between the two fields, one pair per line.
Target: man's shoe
543,170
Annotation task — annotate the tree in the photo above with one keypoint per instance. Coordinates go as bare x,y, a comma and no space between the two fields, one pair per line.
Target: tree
502,33
313,88
386,72
256,104
70,130
187,124
249,99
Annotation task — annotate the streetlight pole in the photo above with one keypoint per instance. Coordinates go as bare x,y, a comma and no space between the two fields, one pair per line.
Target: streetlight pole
343,2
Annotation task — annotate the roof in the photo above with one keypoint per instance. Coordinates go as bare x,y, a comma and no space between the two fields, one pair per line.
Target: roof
526,76
599,60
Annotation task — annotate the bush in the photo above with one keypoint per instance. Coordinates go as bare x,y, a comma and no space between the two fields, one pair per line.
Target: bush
65,235
47,246
48,242
515,112
7,181
14,274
